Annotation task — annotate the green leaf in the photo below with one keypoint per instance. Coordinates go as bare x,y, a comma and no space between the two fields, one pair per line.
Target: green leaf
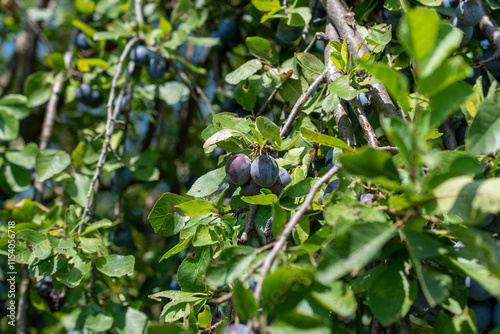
267,5
205,317
83,27
181,8
191,272
116,265
55,61
146,173
243,72
381,168
78,155
205,235
448,40
324,139
97,225
268,129
232,264
448,100
173,92
93,318
342,88
85,6
85,65
78,188
330,102
18,178
47,267
164,218
37,242
452,70
178,248
389,295
285,287
208,183
336,55
75,270
128,320
395,82
468,198
25,158
351,251
89,245
50,162
298,16
261,199
263,49
479,273
312,67
9,126
337,297
16,105
203,41
37,88
196,207
418,31
244,302
483,136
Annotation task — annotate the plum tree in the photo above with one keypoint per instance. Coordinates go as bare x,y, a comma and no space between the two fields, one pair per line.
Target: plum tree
288,34
238,169
140,55
482,310
469,12
284,179
264,171
157,67
81,41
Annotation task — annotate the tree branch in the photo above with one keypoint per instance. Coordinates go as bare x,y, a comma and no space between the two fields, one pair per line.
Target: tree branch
340,113
249,224
290,225
337,13
34,26
489,27
300,102
110,124
371,138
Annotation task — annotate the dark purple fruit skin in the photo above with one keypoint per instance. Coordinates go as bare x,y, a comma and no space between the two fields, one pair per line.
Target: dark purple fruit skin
469,13
140,55
264,171
96,98
83,92
482,311
284,179
81,42
288,34
238,169
157,67
250,188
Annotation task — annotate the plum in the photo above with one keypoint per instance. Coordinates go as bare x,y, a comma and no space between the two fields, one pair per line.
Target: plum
476,291
329,159
81,41
288,34
157,67
140,55
467,30
238,169
482,310
284,179
264,171
250,188
469,13
495,316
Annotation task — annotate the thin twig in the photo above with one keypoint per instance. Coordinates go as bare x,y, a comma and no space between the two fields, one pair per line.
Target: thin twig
290,225
318,35
139,17
249,223
211,328
370,135
271,97
300,102
110,125
391,149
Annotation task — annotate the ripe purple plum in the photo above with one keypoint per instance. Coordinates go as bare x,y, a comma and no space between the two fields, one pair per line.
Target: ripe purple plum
250,188
238,169
284,179
469,13
264,171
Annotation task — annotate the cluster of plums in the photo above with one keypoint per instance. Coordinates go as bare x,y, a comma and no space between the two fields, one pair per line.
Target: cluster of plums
156,65
468,15
54,297
263,172
89,96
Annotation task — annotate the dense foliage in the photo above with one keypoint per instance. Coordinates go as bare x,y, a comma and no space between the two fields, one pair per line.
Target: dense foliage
257,166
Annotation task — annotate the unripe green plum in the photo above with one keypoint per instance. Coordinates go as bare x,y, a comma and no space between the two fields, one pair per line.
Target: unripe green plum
264,171
238,169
